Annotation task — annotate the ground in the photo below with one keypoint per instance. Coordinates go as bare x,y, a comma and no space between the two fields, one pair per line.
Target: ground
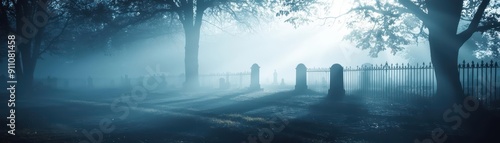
222,116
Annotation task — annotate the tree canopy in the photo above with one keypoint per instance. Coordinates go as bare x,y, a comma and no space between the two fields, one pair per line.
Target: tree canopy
393,24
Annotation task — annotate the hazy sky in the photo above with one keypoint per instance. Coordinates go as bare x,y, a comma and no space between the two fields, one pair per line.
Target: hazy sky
278,47
273,45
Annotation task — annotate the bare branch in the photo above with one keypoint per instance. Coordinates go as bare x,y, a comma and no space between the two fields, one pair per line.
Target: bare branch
414,9
487,27
473,27
52,41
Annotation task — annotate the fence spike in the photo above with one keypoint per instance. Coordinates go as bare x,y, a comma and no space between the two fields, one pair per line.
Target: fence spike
491,63
482,63
472,64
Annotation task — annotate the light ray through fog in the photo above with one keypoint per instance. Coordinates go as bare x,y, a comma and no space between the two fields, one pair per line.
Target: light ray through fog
279,47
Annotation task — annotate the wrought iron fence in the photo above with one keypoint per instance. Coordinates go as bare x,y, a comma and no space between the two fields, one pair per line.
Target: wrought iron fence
478,79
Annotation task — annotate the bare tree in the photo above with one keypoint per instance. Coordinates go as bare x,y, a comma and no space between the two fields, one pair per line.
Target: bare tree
191,14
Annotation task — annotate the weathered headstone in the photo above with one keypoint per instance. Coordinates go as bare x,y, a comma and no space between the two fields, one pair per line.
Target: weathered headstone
254,77
275,78
126,82
336,81
222,83
301,77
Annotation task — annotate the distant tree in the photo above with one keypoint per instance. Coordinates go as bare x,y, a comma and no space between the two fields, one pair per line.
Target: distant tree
60,27
106,26
191,15
37,25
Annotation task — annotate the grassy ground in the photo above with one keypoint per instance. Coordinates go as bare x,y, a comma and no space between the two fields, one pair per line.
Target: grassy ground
223,116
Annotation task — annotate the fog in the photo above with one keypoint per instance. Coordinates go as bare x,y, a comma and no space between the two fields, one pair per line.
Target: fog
278,47
170,88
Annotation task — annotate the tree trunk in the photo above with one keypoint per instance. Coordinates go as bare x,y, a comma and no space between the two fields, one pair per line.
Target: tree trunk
191,56
26,56
191,18
444,57
444,17
192,39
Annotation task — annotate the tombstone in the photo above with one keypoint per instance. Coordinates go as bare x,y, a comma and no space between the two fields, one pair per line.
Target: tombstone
222,83
254,77
3,82
336,81
90,82
275,78
126,82
301,77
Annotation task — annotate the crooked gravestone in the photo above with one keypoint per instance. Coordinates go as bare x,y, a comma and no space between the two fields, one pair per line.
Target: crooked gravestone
254,77
275,78
222,83
336,81
301,77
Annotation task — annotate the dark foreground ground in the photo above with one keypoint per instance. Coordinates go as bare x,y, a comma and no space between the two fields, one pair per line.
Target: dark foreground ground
229,116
